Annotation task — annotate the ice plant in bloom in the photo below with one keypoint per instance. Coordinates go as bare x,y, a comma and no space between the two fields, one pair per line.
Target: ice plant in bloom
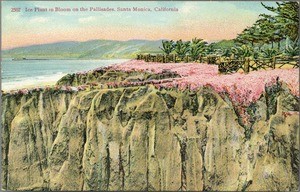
241,88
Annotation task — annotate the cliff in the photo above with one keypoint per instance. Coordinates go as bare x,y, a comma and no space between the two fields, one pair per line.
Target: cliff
137,134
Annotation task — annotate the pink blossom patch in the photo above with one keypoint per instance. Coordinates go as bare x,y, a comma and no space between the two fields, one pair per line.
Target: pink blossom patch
242,88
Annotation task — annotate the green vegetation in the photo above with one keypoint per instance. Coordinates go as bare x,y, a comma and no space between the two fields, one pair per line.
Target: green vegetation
168,47
287,16
182,48
292,49
223,44
268,30
197,48
269,36
242,52
269,53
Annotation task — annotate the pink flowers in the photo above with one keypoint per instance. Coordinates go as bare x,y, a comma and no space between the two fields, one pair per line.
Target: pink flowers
242,88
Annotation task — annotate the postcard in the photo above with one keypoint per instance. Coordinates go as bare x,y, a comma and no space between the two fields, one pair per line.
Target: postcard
150,95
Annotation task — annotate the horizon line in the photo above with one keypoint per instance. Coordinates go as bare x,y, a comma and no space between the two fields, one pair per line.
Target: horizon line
70,41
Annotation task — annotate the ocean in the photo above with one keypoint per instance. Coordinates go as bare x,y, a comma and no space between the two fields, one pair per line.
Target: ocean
29,73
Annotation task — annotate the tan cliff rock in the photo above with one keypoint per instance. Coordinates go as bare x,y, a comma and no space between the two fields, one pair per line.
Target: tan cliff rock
143,138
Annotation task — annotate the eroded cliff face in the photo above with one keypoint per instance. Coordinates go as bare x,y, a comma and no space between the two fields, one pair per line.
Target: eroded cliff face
108,74
144,138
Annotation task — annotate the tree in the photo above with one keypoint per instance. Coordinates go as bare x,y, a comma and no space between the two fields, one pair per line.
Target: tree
248,35
182,48
210,48
197,47
270,31
226,53
167,46
287,17
242,51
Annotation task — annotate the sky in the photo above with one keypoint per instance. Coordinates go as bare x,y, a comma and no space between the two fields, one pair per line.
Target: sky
208,20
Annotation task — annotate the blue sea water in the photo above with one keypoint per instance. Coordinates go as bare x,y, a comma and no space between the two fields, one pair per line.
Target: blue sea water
24,73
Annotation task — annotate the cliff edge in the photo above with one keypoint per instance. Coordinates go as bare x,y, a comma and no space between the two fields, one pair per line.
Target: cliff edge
116,128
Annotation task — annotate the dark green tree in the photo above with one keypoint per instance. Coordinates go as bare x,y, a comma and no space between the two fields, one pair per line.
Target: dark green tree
240,52
182,48
248,36
197,48
287,17
210,49
226,53
167,46
269,31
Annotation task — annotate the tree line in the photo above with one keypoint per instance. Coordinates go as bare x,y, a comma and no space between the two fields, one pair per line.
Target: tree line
194,48
262,39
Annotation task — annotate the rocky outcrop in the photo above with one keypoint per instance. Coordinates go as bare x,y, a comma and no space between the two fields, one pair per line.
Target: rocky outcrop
144,138
107,74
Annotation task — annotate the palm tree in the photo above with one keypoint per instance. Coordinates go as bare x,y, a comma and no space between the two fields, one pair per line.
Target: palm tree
182,48
197,47
226,53
210,49
167,46
242,51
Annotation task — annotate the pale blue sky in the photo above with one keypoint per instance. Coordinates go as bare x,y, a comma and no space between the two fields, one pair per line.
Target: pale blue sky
204,19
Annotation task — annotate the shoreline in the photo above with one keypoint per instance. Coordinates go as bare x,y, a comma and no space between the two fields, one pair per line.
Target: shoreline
28,86
15,74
